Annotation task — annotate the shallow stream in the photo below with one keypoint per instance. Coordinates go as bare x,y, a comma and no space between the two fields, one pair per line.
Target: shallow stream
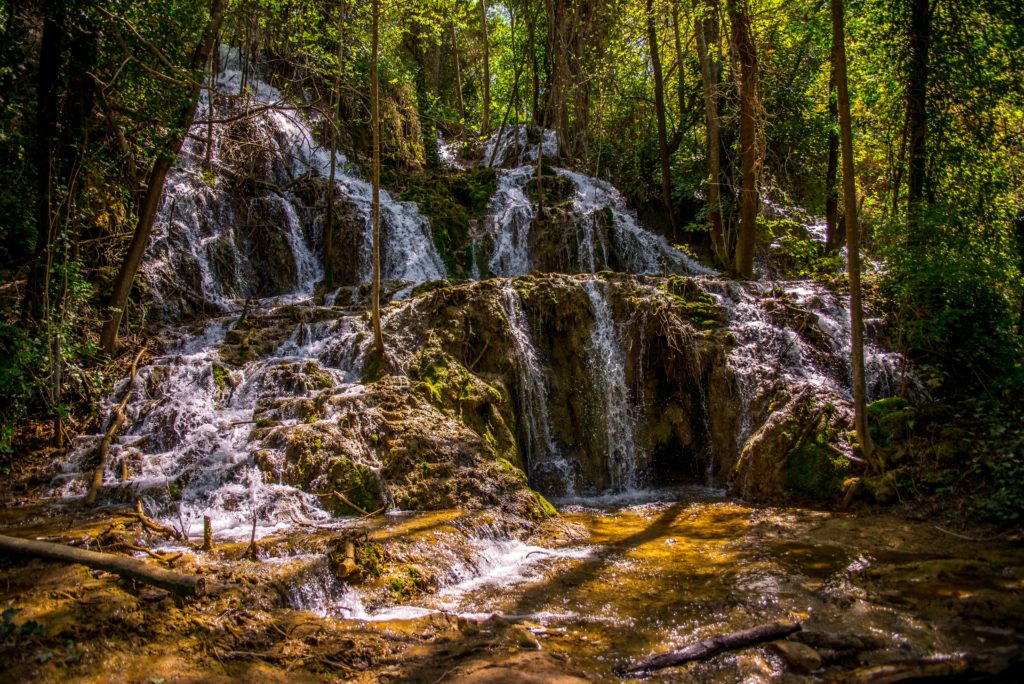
618,578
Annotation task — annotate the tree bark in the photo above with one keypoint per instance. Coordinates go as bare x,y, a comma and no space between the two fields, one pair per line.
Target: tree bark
702,650
157,176
832,236
485,127
131,568
743,41
47,96
659,108
458,73
329,218
852,234
917,101
378,337
706,30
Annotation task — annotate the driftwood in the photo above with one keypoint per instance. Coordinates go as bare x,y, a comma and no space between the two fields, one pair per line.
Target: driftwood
132,568
154,526
108,436
707,648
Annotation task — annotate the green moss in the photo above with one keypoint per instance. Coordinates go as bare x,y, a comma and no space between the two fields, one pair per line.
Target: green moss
451,200
370,559
814,467
697,305
543,506
320,378
891,420
221,377
407,581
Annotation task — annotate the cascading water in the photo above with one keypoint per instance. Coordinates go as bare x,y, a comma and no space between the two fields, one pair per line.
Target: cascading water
543,458
612,391
639,250
605,234
201,257
508,223
517,145
815,353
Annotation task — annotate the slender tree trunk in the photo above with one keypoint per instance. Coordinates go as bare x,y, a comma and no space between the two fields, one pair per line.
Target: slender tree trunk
208,160
917,101
157,177
739,17
659,108
458,74
852,234
47,95
329,218
531,31
706,31
378,337
485,127
832,237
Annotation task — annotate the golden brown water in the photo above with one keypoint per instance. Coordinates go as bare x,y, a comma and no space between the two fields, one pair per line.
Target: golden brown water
655,576
603,585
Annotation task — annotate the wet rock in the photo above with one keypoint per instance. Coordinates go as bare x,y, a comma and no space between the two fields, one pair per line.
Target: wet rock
798,656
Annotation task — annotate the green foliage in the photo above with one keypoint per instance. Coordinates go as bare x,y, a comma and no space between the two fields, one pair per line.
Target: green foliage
952,282
20,358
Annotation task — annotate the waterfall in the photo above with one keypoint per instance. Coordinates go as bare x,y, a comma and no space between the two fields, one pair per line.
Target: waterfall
515,147
198,259
813,349
542,455
612,391
509,218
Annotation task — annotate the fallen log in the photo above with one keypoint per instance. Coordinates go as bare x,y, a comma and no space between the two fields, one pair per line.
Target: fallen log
702,650
132,568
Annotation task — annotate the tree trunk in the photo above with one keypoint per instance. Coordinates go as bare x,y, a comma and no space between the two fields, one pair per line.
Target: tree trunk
917,101
743,41
659,108
132,568
531,28
458,75
47,95
485,127
157,176
832,236
852,234
706,30
329,218
378,337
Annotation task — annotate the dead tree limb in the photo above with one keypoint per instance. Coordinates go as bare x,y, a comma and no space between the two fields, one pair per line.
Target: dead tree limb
115,424
132,568
702,650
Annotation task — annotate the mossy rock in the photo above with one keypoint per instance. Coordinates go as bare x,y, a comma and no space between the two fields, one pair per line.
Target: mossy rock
452,201
696,304
891,420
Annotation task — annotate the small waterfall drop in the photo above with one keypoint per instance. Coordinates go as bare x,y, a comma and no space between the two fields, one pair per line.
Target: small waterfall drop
542,455
509,219
515,145
640,250
613,393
